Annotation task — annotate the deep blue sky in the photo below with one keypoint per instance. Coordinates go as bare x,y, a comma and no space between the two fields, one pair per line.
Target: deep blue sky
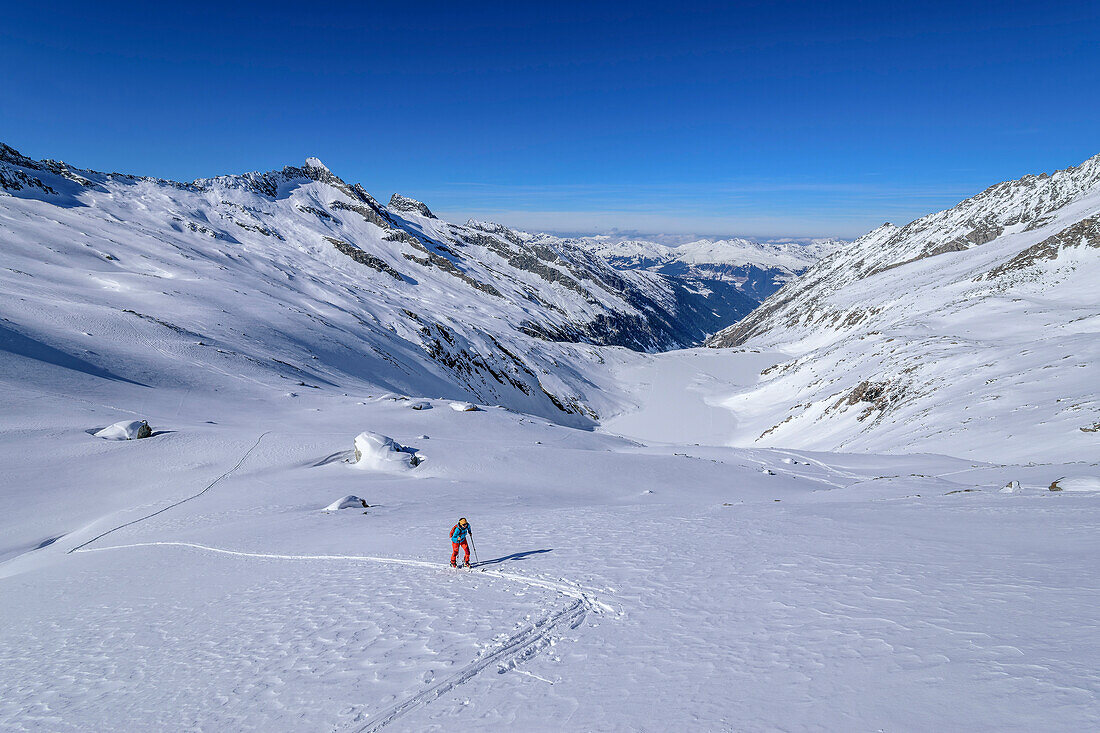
821,118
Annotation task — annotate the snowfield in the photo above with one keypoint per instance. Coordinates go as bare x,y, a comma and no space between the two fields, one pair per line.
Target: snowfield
626,583
637,569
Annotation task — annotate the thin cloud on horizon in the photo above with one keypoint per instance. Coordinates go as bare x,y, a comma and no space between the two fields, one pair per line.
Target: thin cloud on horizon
817,211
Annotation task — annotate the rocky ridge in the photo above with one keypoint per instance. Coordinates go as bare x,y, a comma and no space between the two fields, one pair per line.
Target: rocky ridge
390,294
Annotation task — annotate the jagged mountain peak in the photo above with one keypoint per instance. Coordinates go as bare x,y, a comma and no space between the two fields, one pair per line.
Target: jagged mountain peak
312,162
490,226
409,205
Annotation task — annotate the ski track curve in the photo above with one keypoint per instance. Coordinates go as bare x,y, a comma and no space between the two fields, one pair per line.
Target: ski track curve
520,646
173,505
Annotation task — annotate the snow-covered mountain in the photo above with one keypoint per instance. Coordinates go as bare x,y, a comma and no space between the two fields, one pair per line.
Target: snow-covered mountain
295,274
968,331
757,269
270,550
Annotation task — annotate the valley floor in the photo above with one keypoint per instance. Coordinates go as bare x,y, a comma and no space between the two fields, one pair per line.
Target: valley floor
626,583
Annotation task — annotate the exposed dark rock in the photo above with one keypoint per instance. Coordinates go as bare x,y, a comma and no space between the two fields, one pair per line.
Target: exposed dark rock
370,214
364,258
259,229
319,213
877,396
14,179
374,214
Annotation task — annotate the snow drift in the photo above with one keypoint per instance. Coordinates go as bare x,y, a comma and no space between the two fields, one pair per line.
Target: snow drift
348,502
125,430
377,452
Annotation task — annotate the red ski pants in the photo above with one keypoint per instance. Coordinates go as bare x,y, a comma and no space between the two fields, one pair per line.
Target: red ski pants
464,546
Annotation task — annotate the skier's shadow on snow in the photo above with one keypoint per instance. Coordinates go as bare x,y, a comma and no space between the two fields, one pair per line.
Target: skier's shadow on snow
513,556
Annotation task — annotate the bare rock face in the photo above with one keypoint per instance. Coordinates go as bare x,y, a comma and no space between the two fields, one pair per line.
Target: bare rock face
410,206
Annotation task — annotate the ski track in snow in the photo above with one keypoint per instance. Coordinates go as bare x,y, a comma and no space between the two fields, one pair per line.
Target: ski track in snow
520,646
209,486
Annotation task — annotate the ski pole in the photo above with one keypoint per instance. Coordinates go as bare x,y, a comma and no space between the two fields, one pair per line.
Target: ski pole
476,561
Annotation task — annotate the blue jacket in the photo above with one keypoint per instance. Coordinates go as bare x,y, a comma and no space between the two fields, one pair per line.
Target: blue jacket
458,534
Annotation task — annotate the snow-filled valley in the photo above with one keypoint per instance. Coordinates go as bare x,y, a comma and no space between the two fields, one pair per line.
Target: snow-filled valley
640,565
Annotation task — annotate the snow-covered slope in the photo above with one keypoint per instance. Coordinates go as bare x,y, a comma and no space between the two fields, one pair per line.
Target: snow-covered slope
972,331
757,269
296,275
192,580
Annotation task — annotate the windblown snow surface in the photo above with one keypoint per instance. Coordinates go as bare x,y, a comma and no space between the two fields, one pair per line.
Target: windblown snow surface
642,575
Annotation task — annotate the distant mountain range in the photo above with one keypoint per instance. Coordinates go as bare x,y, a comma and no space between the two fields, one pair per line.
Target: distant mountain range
757,268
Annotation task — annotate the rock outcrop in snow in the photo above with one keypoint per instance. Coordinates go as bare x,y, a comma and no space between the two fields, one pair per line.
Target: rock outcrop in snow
1076,483
969,331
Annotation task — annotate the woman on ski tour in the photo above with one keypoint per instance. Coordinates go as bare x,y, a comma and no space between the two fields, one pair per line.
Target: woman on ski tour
458,539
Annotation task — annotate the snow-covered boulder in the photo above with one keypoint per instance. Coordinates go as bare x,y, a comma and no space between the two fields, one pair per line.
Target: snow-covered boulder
125,430
464,407
378,452
1011,487
348,502
1076,483
421,405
